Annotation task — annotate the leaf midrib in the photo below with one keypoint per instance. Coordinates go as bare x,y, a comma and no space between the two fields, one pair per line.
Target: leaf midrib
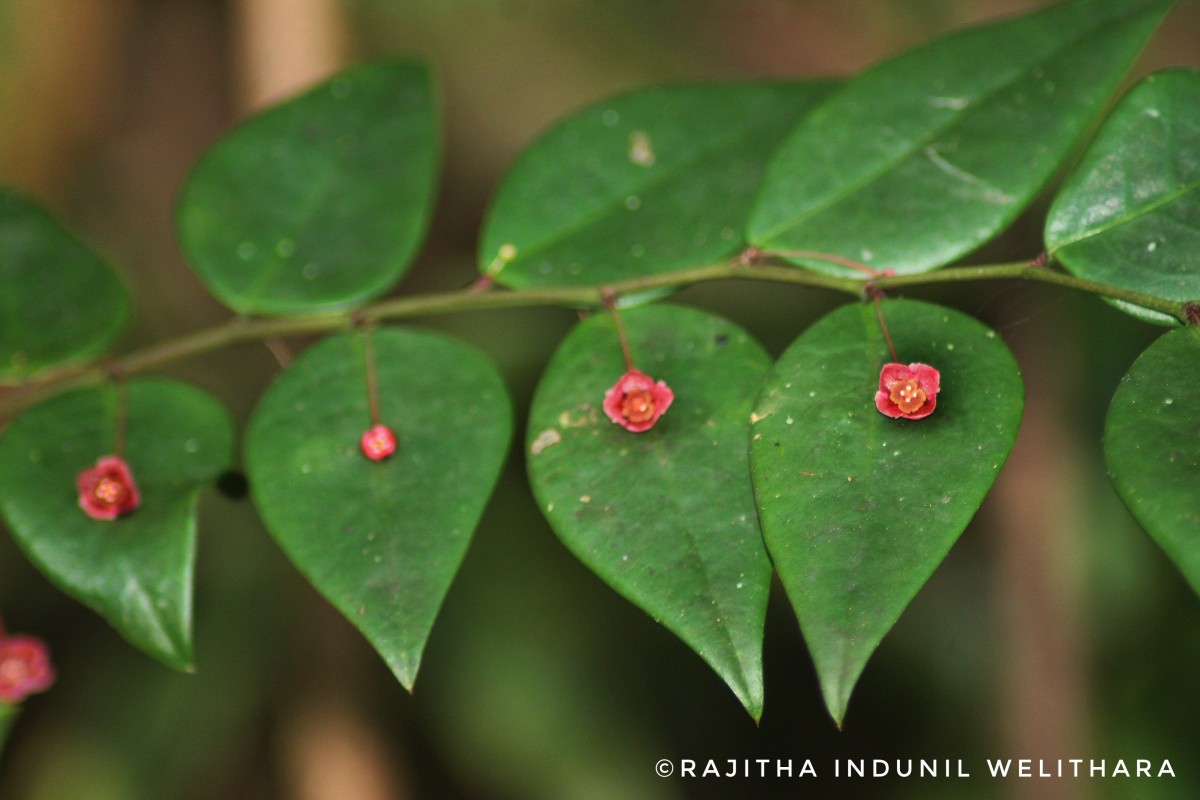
918,145
1125,219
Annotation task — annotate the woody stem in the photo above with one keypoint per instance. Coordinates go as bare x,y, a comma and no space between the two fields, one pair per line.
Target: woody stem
243,329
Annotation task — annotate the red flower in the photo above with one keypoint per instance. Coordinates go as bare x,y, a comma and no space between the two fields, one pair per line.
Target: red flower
907,391
25,668
378,442
636,402
107,491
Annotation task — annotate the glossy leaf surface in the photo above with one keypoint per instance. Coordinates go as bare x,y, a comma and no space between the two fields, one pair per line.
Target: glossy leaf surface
318,203
648,182
1149,444
1129,215
136,571
859,509
59,301
927,156
380,540
666,517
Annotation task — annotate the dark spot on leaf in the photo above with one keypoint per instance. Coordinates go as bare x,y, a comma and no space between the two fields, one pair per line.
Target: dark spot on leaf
721,340
233,485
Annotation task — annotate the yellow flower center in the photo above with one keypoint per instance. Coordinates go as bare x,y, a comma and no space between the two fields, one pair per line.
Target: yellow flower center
907,395
110,492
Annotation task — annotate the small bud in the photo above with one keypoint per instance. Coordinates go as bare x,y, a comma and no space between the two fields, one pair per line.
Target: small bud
25,668
107,491
907,391
636,401
378,442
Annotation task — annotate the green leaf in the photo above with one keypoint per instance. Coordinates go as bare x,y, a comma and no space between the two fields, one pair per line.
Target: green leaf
644,183
926,156
380,540
318,203
666,517
59,301
8,715
1149,444
135,571
858,509
1129,215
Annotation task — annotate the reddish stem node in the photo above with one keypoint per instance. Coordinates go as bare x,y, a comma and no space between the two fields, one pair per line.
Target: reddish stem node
280,350
482,284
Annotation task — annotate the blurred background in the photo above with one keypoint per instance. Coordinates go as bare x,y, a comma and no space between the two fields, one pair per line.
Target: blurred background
1055,629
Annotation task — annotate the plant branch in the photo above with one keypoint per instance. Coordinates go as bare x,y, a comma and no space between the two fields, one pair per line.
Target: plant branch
475,298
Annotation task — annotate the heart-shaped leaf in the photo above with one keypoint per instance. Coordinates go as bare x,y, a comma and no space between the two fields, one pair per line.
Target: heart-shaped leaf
381,540
318,203
1149,444
1129,215
648,182
59,301
666,517
857,508
926,156
136,571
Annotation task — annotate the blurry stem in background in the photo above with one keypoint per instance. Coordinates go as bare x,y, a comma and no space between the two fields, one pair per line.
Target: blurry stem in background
330,752
469,299
284,46
1039,542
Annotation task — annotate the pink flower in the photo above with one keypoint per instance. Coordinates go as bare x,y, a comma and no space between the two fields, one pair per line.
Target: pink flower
25,668
907,391
378,442
107,491
636,402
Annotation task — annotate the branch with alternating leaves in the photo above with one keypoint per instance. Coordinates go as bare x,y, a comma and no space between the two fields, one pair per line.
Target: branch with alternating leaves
242,330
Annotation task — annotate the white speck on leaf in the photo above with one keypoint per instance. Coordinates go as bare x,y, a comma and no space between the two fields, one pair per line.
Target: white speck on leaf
633,202
948,102
640,150
547,438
